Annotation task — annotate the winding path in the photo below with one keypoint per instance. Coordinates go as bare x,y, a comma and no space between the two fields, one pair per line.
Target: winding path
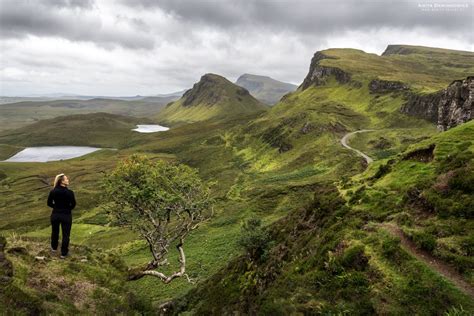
348,135
434,263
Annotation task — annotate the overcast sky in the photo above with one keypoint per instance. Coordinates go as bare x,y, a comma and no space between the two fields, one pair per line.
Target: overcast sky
146,47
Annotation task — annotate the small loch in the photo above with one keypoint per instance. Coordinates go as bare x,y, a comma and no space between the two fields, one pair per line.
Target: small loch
150,128
50,153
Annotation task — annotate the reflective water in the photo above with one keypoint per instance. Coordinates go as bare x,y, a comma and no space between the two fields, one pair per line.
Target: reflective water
150,128
50,153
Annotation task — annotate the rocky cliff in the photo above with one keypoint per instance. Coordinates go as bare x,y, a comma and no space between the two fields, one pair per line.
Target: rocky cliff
319,74
456,104
423,106
381,86
447,108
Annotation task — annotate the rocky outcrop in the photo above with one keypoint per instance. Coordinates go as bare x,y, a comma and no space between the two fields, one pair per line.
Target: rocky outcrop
212,89
423,106
456,104
318,74
447,108
422,154
384,86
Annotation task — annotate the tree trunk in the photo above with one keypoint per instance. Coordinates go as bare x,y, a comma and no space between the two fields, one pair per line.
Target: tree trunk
136,274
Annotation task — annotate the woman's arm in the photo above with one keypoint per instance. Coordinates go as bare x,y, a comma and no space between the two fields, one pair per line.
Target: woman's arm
73,200
50,199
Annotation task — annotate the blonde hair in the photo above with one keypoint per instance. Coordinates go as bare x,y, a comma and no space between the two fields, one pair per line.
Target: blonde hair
58,179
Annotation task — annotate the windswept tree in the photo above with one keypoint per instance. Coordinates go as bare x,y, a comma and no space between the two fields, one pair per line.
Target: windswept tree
163,202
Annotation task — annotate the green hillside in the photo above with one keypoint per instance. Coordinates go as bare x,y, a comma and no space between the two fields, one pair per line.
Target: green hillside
342,253
19,114
94,129
332,221
423,69
90,282
212,97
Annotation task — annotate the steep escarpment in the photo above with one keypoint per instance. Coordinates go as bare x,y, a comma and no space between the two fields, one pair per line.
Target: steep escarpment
212,97
456,104
405,77
423,69
423,106
318,74
447,108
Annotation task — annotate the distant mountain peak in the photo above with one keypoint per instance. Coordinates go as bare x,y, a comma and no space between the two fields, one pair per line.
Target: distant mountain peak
264,88
252,76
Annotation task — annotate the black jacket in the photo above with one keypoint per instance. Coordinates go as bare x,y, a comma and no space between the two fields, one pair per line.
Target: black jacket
62,200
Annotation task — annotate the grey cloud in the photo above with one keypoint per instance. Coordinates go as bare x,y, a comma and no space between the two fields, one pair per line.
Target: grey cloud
78,20
172,43
87,4
70,19
317,16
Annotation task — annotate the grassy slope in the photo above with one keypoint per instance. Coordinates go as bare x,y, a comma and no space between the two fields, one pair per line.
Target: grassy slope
214,97
215,148
430,200
89,228
387,142
94,129
256,179
323,108
424,69
20,114
333,256
313,121
248,156
90,282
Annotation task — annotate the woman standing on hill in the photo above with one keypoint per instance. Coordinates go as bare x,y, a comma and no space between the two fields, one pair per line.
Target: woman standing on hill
62,200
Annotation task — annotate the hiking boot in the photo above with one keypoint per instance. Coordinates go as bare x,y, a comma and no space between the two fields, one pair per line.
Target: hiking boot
53,251
63,257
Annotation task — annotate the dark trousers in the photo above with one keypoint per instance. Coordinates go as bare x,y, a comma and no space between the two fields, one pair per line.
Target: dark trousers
65,220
